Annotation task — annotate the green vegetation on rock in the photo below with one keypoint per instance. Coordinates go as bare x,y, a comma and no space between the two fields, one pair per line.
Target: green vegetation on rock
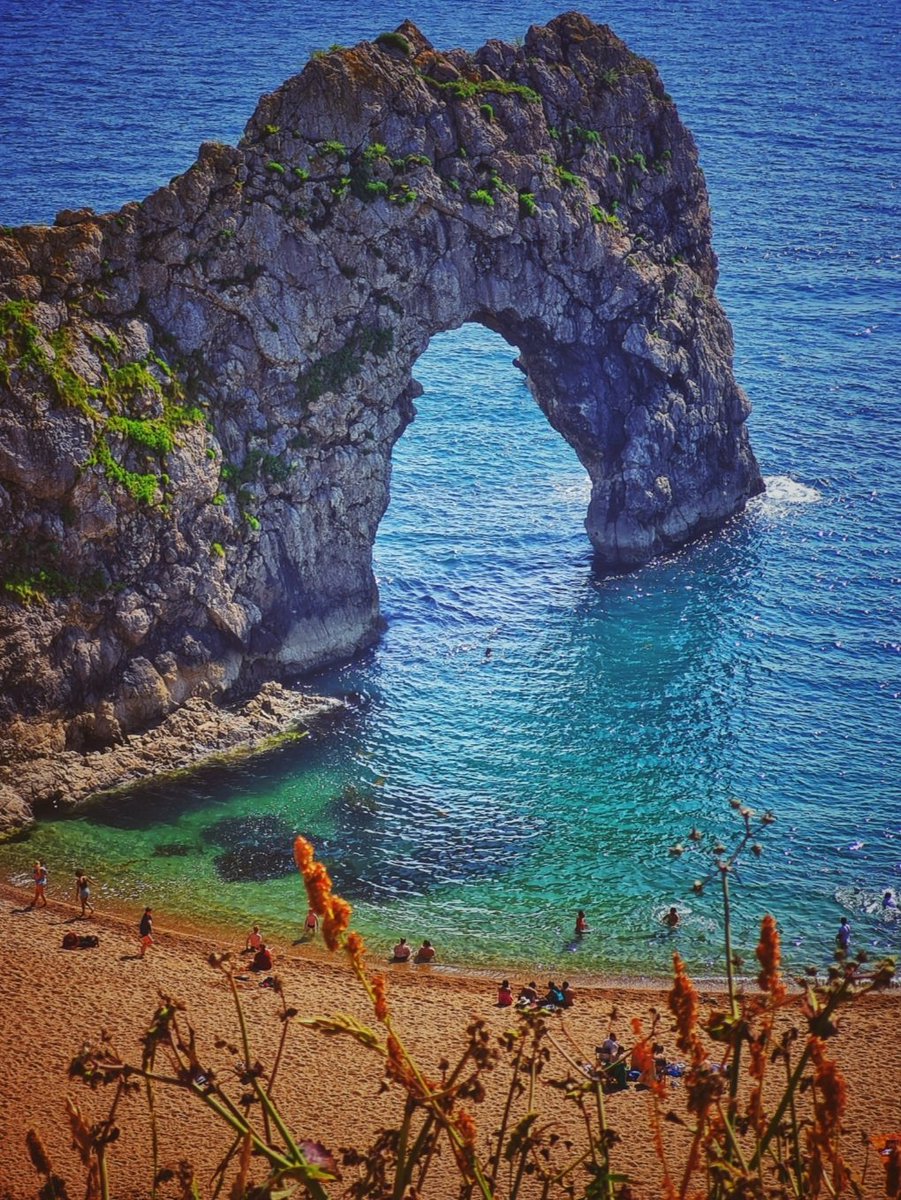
338,149
394,41
528,206
332,371
465,89
601,217
106,404
482,196
568,178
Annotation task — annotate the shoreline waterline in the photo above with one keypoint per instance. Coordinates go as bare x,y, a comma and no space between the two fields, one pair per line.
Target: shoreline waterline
187,930
183,930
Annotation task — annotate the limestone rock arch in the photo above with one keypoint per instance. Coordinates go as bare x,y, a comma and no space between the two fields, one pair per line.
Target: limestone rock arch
201,392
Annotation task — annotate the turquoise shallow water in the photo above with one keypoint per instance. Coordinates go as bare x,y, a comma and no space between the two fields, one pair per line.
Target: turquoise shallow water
480,800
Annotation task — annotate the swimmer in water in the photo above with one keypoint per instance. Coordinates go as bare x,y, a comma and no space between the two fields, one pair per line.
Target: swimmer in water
671,919
888,901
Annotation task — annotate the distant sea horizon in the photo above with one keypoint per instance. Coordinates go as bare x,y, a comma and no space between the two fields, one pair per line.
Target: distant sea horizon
481,799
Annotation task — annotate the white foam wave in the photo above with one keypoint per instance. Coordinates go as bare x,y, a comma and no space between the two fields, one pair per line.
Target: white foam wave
783,492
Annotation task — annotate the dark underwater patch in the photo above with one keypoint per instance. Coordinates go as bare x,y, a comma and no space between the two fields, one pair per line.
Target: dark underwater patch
253,848
173,849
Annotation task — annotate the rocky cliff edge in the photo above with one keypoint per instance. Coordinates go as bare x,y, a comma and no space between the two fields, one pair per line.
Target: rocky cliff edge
200,392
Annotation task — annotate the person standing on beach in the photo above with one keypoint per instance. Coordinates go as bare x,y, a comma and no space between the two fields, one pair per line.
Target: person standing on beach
311,924
254,940
39,874
83,892
843,937
145,930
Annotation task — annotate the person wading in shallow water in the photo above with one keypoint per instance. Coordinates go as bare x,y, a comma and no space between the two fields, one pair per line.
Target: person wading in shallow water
843,937
671,919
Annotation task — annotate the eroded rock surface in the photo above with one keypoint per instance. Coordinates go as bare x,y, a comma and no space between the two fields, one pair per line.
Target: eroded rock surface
200,393
55,779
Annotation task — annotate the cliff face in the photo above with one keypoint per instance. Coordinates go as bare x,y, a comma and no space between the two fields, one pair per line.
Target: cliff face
200,393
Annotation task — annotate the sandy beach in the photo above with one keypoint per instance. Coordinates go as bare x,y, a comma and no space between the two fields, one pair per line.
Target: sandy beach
52,1001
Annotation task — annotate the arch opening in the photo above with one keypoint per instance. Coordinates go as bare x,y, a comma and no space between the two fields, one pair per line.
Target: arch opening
487,501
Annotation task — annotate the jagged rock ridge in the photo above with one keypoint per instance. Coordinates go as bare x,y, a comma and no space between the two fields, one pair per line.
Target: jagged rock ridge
200,393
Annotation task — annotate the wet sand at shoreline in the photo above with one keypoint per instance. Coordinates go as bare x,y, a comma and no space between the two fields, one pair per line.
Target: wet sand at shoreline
52,1001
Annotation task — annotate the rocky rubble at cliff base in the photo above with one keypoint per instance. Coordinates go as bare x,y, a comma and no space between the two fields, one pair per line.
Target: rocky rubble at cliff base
197,734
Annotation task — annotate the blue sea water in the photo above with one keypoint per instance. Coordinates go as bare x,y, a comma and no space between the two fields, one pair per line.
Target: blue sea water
480,799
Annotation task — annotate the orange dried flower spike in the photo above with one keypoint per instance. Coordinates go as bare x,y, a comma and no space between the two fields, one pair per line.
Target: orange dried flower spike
769,955
466,1127
334,911
380,998
683,1004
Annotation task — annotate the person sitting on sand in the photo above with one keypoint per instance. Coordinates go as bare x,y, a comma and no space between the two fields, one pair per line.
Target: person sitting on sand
888,901
311,924
39,875
569,995
145,930
660,1062
528,995
262,960
609,1049
582,925
504,995
426,952
254,940
638,1063
671,919
401,951
612,1057
83,892
553,998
